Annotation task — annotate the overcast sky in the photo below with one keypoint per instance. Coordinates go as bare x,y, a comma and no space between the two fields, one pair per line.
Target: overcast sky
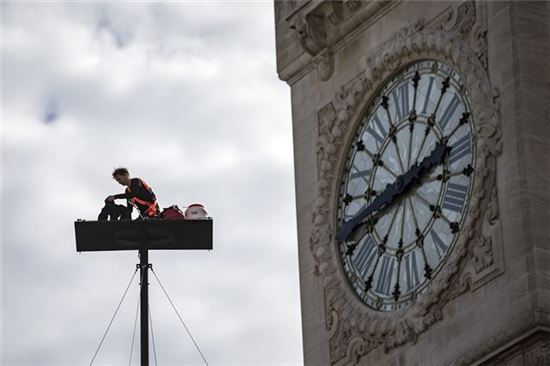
186,96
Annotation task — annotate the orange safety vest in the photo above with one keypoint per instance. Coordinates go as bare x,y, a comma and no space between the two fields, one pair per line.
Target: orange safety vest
152,207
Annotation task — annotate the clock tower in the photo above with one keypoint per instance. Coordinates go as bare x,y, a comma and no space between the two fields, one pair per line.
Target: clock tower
422,164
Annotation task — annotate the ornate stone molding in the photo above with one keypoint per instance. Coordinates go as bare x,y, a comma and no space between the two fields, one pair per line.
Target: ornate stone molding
467,20
312,35
352,326
483,250
322,26
485,260
311,32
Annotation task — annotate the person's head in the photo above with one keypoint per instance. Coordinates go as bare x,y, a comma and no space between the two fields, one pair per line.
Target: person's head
122,176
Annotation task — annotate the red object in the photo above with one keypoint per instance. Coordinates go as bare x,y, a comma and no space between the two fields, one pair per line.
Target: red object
172,213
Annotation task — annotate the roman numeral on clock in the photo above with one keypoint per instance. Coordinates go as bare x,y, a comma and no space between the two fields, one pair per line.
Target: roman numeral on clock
440,245
428,94
460,149
400,98
379,135
386,274
360,174
455,197
364,256
411,270
449,111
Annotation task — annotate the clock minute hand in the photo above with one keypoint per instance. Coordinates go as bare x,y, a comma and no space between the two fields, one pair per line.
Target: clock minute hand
384,199
380,201
435,158
414,174
394,190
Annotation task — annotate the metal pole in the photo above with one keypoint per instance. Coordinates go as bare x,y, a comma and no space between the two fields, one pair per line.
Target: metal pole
144,307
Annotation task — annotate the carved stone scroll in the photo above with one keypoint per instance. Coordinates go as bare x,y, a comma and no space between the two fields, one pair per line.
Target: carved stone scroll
468,21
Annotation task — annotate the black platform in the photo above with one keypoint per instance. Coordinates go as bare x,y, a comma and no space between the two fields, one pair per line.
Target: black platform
143,235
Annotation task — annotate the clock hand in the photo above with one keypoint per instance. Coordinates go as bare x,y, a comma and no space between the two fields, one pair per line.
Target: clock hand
436,157
380,201
414,174
394,190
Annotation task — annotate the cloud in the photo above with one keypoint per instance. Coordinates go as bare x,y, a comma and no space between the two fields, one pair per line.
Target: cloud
186,96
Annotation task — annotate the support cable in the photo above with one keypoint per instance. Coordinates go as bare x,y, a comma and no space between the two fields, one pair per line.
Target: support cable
179,316
152,335
135,321
113,318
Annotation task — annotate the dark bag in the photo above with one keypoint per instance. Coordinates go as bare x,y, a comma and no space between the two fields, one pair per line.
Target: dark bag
113,211
172,213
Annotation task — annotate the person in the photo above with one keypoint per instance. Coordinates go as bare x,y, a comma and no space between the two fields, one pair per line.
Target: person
138,194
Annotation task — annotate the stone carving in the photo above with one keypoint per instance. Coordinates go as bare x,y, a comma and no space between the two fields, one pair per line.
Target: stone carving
312,35
468,21
487,259
311,32
354,327
460,19
318,29
483,259
331,127
478,41
483,254
356,348
347,344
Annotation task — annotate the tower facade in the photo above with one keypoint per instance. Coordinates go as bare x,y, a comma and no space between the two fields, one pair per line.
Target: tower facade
422,165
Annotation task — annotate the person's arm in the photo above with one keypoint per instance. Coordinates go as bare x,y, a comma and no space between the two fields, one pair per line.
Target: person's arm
123,195
127,195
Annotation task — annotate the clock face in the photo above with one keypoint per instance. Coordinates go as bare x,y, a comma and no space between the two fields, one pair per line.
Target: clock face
414,200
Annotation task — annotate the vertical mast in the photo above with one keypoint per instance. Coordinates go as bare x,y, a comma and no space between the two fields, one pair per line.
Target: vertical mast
144,307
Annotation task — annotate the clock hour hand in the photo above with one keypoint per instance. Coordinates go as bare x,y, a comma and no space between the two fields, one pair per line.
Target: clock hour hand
394,190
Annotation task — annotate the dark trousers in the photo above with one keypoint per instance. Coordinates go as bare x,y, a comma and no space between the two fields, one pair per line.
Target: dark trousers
112,211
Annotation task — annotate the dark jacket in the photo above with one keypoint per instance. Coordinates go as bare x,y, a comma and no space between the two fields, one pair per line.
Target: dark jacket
139,194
